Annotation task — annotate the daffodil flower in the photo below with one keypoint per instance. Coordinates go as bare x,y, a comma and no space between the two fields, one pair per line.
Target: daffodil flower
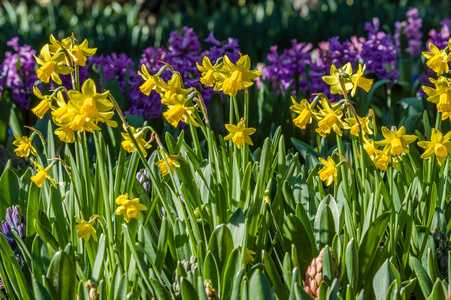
178,110
231,78
360,81
129,208
396,143
174,87
440,146
334,79
44,105
208,71
329,172
441,95
437,59
51,66
85,229
330,118
363,124
382,159
172,162
249,256
42,174
24,146
151,82
239,134
305,113
87,108
139,135
77,53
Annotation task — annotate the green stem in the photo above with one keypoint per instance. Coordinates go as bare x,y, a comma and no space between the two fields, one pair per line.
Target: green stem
343,168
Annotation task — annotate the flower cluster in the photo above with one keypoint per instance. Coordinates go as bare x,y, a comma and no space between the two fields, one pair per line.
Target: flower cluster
17,72
183,53
15,220
411,30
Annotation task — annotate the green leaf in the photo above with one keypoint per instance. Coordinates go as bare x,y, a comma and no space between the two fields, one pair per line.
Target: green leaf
39,290
383,280
187,289
294,233
62,276
32,210
236,226
211,271
181,240
274,277
162,245
45,235
422,276
83,293
370,242
259,287
324,226
40,258
9,190
160,291
97,270
439,291
231,270
352,263
221,245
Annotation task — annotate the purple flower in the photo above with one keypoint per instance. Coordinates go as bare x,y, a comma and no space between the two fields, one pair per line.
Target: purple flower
379,52
288,69
411,29
18,72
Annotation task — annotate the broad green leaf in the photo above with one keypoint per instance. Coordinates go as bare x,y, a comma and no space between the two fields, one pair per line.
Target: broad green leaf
274,277
62,276
220,246
231,270
422,276
370,242
9,190
97,270
294,233
259,287
211,271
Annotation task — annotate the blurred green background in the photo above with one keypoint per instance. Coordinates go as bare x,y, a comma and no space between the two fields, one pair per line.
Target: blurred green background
131,26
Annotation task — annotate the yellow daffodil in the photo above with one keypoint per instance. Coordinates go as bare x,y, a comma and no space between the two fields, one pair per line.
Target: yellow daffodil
330,118
87,108
42,174
329,172
440,146
239,134
151,82
249,256
174,87
172,162
441,95
139,135
382,159
334,79
77,53
62,107
231,78
129,208
360,81
51,66
44,105
396,143
208,71
178,110
64,133
305,113
24,146
368,145
437,59
363,123
86,229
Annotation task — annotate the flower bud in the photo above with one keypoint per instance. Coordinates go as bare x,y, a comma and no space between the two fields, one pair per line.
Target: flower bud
6,229
21,230
8,215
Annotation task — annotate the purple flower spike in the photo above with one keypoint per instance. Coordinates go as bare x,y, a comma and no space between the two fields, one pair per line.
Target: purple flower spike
6,230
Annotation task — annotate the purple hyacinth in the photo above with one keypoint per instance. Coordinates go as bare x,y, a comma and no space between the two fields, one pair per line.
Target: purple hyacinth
15,220
379,52
18,72
289,66
440,38
411,29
